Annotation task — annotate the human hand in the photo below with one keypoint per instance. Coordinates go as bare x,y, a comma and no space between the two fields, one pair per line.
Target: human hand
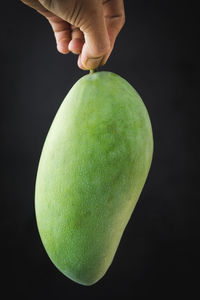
85,27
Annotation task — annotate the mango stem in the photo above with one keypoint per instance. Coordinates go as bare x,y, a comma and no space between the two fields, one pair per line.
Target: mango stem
93,71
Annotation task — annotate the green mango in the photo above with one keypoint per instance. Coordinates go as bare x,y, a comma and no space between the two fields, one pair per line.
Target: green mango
92,169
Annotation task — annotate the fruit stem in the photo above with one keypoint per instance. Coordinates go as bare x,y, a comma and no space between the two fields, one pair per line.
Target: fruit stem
93,71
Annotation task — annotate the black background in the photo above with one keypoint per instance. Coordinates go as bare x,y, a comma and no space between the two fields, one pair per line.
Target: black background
157,53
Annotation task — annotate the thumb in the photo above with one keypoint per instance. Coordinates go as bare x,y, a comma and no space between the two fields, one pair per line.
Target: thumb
97,42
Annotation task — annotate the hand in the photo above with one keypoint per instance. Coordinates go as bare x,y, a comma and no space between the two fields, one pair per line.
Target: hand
85,27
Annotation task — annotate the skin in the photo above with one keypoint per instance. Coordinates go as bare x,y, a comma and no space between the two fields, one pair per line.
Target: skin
92,169
88,28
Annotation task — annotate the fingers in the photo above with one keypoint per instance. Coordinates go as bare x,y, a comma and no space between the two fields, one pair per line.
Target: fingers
68,37
62,32
77,40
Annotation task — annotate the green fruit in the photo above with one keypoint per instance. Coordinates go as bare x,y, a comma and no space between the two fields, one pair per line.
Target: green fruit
92,169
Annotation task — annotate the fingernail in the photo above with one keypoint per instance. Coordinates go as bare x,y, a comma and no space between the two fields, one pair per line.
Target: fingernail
93,63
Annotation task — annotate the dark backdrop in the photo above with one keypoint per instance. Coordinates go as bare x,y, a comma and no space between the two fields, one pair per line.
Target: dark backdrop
157,53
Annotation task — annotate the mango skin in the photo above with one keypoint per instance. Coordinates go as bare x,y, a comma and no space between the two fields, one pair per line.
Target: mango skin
92,169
